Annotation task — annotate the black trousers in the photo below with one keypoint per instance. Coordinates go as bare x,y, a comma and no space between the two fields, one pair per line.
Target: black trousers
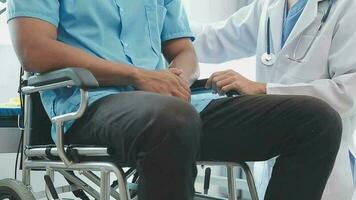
304,133
160,135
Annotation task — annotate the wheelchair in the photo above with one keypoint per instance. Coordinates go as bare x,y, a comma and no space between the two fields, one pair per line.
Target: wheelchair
75,162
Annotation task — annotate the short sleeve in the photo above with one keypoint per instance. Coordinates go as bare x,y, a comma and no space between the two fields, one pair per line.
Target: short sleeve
176,23
47,10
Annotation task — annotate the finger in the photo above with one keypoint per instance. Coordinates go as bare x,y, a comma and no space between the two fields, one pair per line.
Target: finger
178,82
231,75
219,78
229,88
176,71
224,82
182,86
185,92
221,72
215,74
225,75
208,82
183,83
179,94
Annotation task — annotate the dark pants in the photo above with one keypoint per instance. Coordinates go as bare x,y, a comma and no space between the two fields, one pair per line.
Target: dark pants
158,135
303,131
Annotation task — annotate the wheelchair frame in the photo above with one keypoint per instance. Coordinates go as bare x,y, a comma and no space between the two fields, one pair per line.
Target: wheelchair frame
75,77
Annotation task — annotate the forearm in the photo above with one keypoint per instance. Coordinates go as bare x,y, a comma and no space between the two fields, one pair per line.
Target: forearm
338,92
187,61
180,54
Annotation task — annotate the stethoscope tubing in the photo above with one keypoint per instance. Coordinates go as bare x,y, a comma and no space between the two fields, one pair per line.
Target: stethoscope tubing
269,36
268,58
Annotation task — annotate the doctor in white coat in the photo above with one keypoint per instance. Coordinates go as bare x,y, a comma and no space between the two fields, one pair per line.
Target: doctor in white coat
318,59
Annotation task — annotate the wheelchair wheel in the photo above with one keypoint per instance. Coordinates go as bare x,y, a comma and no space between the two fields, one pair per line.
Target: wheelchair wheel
11,189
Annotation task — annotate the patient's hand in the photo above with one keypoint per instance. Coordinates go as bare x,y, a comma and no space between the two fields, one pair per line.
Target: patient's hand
166,82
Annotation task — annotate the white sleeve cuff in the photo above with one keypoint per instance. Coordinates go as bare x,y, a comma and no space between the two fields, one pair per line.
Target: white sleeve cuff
274,88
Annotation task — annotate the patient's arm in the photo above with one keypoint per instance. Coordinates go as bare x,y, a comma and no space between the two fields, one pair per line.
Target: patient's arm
180,54
36,45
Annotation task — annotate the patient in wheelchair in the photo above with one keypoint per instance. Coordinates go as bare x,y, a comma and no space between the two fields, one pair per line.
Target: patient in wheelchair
141,111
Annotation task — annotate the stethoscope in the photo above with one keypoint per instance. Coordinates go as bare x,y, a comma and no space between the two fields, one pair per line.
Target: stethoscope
269,58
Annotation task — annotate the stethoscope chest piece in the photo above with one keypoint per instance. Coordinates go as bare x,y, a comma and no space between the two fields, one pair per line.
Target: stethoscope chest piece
268,59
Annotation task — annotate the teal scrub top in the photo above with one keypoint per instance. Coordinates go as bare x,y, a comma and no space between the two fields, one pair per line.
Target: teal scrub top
124,31
291,18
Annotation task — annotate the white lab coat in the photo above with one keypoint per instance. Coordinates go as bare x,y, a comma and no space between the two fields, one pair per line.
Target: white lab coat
328,71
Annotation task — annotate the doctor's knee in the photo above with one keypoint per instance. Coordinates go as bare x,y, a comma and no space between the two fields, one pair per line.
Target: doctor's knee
325,120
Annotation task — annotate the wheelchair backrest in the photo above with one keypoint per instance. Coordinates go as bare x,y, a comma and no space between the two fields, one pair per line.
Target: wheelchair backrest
40,123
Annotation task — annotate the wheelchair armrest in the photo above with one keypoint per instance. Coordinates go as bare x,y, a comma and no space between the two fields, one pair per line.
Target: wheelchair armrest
198,87
66,77
80,77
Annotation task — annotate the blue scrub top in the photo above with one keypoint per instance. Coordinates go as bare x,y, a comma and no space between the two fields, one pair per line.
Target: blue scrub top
291,18
124,31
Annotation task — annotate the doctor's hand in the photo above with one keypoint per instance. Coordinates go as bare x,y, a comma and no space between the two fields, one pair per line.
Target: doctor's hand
165,82
229,80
